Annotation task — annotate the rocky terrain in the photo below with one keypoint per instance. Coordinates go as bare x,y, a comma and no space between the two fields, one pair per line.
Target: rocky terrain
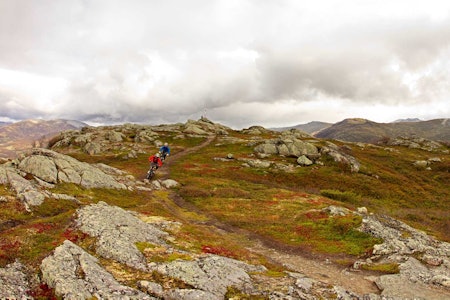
111,251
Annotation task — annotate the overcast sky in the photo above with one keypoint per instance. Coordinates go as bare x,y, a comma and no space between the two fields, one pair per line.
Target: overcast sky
239,62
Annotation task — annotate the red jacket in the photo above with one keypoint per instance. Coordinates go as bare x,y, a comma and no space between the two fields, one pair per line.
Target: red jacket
154,159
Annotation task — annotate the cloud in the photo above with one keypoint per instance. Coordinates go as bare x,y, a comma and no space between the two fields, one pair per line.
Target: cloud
244,61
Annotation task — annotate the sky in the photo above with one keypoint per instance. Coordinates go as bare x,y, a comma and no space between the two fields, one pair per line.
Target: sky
237,62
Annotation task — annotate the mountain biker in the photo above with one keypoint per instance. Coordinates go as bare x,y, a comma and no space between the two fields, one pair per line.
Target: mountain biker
165,151
155,161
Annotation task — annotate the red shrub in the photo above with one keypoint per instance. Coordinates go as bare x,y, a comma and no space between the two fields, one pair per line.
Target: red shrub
42,292
41,227
73,235
304,231
218,251
316,215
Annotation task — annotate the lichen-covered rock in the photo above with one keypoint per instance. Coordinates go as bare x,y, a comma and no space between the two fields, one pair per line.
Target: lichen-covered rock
54,167
256,163
422,260
288,147
341,157
24,189
92,148
211,273
169,183
117,232
304,161
13,282
75,274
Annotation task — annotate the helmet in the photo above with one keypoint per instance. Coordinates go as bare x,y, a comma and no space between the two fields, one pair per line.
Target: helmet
157,154
166,144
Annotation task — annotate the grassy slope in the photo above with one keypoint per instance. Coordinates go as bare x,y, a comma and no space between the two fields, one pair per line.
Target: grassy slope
278,206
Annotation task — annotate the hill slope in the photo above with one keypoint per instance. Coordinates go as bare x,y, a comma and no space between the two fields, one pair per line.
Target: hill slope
230,214
361,130
310,128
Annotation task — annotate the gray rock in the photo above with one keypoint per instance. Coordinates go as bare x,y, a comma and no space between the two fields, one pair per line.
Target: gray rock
13,282
114,136
362,210
169,183
288,147
304,161
256,163
336,210
151,288
402,244
190,294
194,129
75,274
117,232
421,163
40,166
92,148
266,148
399,287
341,157
54,167
24,189
212,273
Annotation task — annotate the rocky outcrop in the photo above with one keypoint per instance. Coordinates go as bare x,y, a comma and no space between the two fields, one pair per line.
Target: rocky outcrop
13,282
117,231
53,167
26,191
288,147
256,130
341,157
212,274
417,143
204,127
75,274
423,261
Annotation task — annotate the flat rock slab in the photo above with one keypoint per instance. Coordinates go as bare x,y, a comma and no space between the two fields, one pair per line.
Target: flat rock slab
75,274
117,231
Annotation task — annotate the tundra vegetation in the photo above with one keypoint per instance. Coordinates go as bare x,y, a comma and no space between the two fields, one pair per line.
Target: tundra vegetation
282,207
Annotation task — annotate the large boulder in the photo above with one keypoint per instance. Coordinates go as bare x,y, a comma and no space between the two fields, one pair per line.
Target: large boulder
341,157
53,167
288,147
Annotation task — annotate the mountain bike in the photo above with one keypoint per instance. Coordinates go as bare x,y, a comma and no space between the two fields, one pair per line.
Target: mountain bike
151,171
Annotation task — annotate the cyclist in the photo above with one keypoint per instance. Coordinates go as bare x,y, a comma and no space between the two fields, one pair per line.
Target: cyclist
155,161
165,151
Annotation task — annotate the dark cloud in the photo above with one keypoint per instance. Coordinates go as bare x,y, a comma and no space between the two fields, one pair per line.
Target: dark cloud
242,61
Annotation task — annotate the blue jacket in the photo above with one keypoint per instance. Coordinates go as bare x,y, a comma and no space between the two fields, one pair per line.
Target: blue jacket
164,149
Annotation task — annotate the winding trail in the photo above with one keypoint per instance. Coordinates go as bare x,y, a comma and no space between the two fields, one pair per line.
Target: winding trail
317,267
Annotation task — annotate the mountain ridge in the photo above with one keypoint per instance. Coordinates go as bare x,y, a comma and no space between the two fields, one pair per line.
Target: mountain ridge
19,136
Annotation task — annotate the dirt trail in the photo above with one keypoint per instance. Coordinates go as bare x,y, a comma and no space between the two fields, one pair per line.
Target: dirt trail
316,267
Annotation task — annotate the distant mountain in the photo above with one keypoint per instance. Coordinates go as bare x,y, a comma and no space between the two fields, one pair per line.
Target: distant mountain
19,136
407,120
362,130
311,127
